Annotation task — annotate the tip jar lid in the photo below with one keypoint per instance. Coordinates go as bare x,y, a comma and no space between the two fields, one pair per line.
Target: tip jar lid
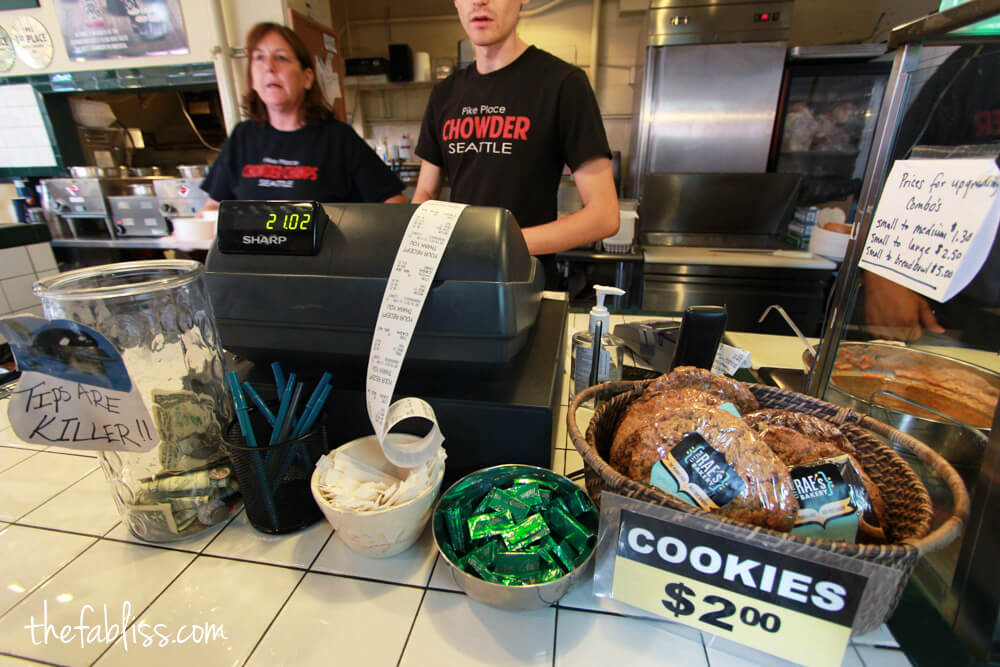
122,279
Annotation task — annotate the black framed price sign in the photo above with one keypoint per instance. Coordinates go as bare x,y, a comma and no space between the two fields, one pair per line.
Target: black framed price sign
787,599
271,227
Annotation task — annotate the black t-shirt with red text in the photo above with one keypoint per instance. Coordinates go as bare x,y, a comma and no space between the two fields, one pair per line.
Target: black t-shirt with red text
503,138
326,162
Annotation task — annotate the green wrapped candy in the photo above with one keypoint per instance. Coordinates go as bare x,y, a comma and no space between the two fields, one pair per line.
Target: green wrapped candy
500,500
568,528
487,525
528,531
516,562
544,551
456,529
529,494
563,551
578,503
481,570
542,576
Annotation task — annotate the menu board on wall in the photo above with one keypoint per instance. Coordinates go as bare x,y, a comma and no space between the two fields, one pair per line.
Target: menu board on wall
934,225
98,29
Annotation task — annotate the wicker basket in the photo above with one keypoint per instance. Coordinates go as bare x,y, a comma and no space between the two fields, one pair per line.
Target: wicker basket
908,504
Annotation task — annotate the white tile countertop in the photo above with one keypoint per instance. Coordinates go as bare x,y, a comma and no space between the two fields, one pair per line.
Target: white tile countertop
239,597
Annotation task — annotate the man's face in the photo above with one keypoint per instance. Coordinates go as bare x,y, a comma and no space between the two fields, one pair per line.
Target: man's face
488,22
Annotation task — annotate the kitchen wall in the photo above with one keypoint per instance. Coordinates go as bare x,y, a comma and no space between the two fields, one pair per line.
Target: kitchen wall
369,26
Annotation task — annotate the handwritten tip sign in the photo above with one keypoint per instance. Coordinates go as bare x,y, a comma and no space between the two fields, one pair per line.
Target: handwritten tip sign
934,225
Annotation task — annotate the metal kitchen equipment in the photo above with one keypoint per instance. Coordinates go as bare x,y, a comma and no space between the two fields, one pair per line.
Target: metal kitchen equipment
728,58
485,353
102,206
717,239
182,196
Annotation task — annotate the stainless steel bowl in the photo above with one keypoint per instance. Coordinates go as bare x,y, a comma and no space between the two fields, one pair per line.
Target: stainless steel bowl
192,170
533,596
958,442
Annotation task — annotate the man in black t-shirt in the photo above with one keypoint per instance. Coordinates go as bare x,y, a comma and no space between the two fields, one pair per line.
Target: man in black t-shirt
502,129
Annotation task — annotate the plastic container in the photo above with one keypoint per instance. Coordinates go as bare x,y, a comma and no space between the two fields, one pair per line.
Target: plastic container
610,354
199,227
158,316
379,533
275,478
832,245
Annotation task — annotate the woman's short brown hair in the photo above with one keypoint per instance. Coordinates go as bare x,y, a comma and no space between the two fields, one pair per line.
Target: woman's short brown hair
316,107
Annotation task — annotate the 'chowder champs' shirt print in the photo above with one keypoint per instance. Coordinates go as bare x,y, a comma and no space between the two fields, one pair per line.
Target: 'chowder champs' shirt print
277,173
484,129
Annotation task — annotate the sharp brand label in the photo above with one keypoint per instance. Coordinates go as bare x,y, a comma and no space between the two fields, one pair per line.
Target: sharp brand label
698,474
264,240
785,581
182,190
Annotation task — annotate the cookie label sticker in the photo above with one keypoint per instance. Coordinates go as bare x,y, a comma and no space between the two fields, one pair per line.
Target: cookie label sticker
698,474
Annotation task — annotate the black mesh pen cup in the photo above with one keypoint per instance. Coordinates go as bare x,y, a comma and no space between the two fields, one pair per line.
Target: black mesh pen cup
274,479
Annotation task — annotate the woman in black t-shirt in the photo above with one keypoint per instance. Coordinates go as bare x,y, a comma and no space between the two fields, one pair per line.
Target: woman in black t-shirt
292,147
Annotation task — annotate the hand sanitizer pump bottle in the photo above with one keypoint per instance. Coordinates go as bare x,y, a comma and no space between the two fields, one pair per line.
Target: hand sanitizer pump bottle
592,364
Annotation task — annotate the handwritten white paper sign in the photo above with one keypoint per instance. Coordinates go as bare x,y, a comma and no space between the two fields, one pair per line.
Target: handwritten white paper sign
934,224
74,390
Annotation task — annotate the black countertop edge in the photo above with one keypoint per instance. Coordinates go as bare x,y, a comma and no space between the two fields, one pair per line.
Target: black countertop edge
18,234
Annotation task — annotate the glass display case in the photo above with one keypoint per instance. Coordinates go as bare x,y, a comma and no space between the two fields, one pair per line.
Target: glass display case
932,367
827,115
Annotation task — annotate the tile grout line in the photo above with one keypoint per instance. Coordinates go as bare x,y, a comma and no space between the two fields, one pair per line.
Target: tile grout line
287,599
32,661
14,465
704,648
555,633
57,493
416,612
31,591
147,607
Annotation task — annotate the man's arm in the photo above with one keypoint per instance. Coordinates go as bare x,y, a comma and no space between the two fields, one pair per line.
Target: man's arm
428,183
894,312
396,199
598,219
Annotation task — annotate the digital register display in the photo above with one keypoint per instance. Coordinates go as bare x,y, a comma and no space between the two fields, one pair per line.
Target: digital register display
271,227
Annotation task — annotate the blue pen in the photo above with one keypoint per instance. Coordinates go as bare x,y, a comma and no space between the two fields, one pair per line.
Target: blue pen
293,404
306,423
259,403
279,378
320,386
258,463
280,463
241,408
279,419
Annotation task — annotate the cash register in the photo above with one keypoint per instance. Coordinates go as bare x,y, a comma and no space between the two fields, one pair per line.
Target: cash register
302,282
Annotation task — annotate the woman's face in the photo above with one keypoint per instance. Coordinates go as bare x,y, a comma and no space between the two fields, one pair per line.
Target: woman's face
278,77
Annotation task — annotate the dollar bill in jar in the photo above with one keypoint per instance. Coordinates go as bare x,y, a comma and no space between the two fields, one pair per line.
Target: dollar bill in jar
190,433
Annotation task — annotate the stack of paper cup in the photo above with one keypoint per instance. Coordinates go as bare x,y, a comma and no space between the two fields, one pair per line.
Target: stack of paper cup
422,66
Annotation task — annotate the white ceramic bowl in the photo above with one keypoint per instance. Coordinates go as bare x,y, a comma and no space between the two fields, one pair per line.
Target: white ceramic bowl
380,533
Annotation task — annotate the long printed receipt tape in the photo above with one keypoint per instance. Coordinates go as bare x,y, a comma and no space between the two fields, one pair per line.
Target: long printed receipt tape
416,262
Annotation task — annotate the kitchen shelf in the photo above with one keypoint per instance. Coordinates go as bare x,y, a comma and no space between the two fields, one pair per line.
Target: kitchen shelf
388,85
